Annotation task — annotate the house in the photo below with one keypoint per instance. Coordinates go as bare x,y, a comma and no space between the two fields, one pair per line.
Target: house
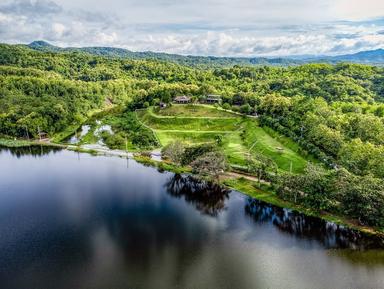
182,99
213,98
43,135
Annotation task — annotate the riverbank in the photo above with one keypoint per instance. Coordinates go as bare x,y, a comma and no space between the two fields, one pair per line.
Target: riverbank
17,143
243,183
264,192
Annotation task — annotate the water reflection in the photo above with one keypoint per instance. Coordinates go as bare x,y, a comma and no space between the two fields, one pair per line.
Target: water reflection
207,197
145,232
32,150
330,235
78,135
97,224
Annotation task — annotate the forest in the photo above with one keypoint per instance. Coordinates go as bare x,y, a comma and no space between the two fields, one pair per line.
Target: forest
332,112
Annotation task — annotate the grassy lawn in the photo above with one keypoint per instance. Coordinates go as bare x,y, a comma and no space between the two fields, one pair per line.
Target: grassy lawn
196,124
271,147
194,137
186,123
235,149
14,143
192,111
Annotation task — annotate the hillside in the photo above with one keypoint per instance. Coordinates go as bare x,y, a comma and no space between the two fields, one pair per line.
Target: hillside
374,57
189,60
196,124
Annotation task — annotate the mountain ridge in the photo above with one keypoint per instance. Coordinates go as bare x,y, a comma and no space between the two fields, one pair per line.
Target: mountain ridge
373,57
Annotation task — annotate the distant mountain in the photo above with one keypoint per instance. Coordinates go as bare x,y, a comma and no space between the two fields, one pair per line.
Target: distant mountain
371,56
41,45
375,57
205,61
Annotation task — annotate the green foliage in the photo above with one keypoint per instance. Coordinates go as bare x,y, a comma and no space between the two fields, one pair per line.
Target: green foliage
127,128
194,152
210,164
205,160
362,198
226,106
113,141
339,191
219,139
246,109
363,158
336,134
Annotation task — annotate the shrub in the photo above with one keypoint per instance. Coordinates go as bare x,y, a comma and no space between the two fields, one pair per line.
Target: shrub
210,164
174,151
192,153
246,109
226,106
113,141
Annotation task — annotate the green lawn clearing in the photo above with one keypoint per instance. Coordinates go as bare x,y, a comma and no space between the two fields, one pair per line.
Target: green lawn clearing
191,110
196,124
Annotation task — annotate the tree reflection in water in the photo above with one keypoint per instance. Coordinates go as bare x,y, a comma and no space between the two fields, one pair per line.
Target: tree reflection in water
32,150
330,235
207,197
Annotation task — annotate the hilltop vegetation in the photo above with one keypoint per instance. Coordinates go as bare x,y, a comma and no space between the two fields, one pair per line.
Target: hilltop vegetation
375,57
236,135
333,113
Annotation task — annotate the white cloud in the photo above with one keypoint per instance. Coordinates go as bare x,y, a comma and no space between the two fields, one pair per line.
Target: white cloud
59,29
203,27
357,9
106,38
223,43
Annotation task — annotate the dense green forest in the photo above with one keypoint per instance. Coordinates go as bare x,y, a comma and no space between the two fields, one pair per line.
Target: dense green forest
334,112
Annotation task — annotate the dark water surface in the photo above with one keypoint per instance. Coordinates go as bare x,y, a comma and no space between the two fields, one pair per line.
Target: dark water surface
71,220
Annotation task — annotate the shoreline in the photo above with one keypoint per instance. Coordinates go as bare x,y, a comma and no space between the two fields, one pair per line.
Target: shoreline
241,184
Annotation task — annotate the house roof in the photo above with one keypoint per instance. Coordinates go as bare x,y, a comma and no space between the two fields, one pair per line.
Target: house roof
182,97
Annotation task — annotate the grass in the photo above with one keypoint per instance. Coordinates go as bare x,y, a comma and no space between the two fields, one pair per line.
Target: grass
289,143
65,134
162,165
280,152
234,149
264,193
12,143
194,137
192,111
196,124
82,150
187,123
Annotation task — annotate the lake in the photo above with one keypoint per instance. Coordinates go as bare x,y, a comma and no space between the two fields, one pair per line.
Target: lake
70,220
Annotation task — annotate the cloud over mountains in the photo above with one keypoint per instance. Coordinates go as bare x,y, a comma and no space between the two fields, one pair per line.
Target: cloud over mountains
211,27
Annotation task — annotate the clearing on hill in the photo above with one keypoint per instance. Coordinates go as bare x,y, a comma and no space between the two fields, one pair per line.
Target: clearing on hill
239,135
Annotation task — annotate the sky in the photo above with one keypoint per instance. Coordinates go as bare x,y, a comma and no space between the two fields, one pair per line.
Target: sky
200,27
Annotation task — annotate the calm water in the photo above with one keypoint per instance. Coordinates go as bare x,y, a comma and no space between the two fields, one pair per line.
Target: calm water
71,220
